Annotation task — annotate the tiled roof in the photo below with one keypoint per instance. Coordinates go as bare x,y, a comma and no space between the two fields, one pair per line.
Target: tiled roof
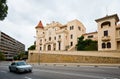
40,25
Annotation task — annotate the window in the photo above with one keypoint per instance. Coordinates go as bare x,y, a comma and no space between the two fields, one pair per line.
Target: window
59,45
49,38
103,45
54,38
72,27
40,40
71,43
91,36
71,36
40,48
79,28
105,23
106,33
108,45
49,47
59,36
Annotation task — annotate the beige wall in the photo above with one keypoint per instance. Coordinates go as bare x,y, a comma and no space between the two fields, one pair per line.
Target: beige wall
74,57
92,36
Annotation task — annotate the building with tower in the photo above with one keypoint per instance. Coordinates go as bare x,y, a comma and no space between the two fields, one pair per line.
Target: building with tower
108,33
55,36
55,43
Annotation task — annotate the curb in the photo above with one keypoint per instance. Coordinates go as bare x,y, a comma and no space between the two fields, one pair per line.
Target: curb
77,65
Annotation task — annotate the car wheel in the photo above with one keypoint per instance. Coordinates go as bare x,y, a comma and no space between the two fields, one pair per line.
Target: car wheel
30,71
17,71
10,70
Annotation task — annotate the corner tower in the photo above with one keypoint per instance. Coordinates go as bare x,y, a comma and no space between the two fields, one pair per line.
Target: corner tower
107,33
39,34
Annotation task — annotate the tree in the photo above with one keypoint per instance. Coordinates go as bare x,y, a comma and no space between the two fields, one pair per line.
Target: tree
15,58
3,9
19,56
32,47
80,45
2,57
87,44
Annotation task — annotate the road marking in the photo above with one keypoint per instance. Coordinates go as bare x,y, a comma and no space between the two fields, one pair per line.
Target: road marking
3,71
72,74
75,74
110,78
28,78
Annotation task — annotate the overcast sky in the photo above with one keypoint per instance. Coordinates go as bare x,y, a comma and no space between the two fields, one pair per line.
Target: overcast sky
24,15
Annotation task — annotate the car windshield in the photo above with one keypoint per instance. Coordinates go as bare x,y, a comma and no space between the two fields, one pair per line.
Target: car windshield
21,63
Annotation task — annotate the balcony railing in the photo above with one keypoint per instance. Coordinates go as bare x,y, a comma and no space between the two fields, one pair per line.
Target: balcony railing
106,38
117,38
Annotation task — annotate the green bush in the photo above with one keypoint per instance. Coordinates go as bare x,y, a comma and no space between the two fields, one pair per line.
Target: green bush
2,57
86,45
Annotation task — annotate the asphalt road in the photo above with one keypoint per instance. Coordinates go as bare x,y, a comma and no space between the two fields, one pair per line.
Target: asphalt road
63,72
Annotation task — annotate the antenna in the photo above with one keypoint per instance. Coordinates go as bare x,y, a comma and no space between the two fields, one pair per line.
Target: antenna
106,11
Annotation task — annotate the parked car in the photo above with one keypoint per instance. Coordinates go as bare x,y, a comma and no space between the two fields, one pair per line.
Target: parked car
20,66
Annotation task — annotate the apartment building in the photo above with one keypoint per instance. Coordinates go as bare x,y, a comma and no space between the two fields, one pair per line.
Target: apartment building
56,36
9,46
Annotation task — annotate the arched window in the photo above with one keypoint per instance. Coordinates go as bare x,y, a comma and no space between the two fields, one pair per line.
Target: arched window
40,48
40,40
103,45
105,23
79,28
72,27
71,43
49,47
71,36
108,45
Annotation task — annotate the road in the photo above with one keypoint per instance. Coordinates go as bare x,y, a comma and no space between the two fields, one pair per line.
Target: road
63,72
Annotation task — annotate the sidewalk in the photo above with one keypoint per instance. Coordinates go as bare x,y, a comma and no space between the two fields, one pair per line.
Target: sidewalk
76,64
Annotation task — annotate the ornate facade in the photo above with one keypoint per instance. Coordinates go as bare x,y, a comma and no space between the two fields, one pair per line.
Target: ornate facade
55,36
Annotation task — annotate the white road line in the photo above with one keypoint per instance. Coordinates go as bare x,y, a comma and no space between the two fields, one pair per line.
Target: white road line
3,71
27,77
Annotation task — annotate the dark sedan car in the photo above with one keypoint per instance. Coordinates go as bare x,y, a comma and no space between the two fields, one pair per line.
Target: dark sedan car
20,66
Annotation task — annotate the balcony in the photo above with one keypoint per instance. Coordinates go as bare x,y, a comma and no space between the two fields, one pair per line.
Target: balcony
40,43
42,35
106,38
59,39
49,42
117,38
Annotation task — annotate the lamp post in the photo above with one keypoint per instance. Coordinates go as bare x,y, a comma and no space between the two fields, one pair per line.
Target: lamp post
39,59
31,57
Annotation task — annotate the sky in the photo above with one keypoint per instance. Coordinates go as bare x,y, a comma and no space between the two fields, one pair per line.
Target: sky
24,15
